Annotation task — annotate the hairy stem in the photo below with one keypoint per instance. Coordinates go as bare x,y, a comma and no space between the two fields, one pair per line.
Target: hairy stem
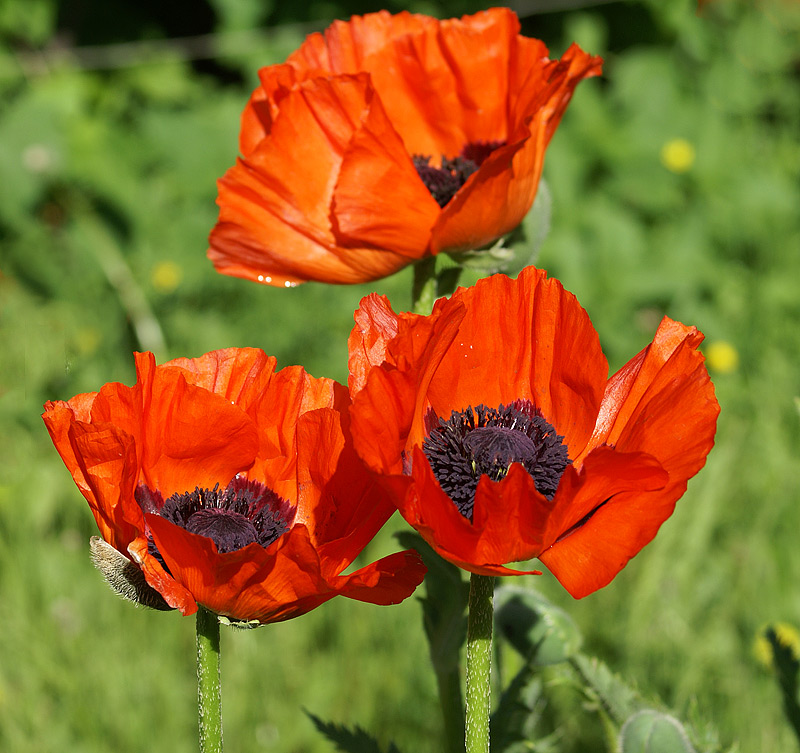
209,700
479,663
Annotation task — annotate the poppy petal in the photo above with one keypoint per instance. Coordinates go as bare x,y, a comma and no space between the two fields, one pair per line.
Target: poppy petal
427,82
280,195
238,374
173,592
662,402
469,544
185,436
105,458
626,388
496,198
443,83
338,501
103,464
388,581
419,347
375,325
433,515
379,200
554,358
248,584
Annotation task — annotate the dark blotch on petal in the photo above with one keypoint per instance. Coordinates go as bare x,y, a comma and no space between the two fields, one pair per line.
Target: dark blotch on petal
445,181
227,529
486,441
244,512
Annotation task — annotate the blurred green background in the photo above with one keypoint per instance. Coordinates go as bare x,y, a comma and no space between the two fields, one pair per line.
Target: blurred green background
675,190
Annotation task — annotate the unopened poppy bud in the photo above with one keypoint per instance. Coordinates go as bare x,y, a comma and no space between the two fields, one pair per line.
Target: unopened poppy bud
123,576
648,731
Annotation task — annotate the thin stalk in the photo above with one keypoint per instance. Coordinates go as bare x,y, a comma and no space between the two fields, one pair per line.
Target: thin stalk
424,289
479,663
449,684
209,699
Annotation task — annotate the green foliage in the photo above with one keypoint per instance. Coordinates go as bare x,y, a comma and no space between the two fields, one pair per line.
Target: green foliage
787,668
653,732
517,722
444,605
542,633
354,740
107,186
606,692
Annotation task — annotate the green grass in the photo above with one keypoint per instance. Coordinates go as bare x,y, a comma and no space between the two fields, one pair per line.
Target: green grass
127,170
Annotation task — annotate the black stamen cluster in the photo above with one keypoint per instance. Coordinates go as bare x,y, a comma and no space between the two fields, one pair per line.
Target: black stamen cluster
245,511
486,441
443,182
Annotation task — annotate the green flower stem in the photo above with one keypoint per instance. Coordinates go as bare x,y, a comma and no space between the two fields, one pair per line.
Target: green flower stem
209,700
479,662
424,289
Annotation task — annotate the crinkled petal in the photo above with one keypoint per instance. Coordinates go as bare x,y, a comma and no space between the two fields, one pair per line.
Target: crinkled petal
107,474
375,325
109,466
526,338
338,501
185,436
390,580
662,403
173,592
277,583
240,375
486,543
671,356
624,499
275,205
379,200
497,197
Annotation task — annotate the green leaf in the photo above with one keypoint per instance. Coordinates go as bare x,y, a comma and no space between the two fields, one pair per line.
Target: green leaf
355,740
543,633
608,692
515,720
651,731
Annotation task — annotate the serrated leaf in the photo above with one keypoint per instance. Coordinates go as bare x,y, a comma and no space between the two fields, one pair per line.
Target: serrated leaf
541,632
518,711
609,692
347,740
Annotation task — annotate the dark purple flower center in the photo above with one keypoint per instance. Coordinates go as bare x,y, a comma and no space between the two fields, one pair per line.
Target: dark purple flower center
486,441
443,182
244,512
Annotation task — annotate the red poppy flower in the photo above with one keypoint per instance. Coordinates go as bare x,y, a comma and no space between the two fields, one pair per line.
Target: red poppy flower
388,139
500,437
231,485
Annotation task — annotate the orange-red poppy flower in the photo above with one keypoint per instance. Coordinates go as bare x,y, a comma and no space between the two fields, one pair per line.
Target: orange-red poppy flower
388,139
500,438
231,485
